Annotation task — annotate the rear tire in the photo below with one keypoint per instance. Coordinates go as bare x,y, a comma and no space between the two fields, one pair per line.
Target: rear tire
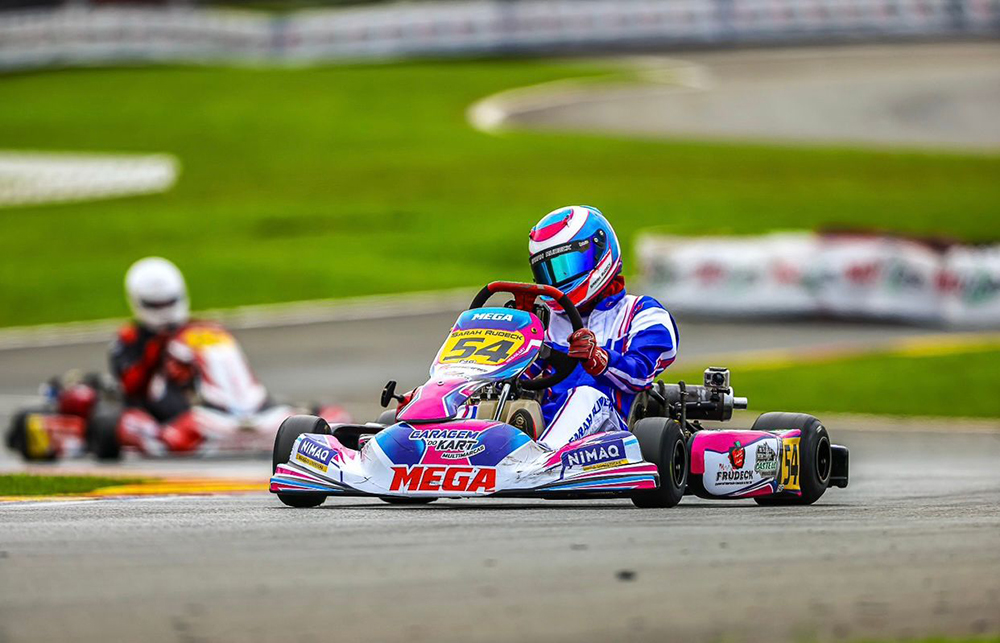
17,437
815,457
662,443
387,417
102,434
288,432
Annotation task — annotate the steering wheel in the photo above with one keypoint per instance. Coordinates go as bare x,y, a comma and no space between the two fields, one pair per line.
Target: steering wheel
524,299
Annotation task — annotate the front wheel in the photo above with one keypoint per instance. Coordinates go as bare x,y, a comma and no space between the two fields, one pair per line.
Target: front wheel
288,432
810,461
662,443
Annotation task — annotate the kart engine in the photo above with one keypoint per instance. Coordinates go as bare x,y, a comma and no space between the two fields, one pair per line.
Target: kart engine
714,400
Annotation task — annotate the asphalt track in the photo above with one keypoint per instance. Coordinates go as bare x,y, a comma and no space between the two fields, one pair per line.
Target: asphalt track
936,95
911,547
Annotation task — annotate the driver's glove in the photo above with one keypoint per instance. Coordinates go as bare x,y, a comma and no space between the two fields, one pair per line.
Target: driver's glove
583,346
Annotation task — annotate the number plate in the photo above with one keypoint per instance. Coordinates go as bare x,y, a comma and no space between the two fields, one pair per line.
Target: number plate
790,464
485,346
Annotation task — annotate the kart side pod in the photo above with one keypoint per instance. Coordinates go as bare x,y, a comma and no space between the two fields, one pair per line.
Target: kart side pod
785,458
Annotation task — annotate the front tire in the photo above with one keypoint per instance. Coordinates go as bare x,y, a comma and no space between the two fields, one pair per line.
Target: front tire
662,443
815,457
288,432
387,417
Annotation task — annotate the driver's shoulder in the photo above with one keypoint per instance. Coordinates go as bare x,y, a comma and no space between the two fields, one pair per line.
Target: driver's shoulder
645,302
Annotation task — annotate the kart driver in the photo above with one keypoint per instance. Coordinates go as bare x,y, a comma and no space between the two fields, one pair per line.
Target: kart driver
149,377
626,342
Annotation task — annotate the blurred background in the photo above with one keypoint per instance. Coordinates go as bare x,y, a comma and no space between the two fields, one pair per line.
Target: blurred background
812,188
821,175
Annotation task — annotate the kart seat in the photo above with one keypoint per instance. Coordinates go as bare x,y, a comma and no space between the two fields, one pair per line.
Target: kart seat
525,415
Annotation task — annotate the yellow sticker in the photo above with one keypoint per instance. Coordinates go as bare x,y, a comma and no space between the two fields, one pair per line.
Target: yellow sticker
790,464
485,346
201,337
38,442
304,459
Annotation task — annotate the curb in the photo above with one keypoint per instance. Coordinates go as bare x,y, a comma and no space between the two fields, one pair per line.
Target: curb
164,487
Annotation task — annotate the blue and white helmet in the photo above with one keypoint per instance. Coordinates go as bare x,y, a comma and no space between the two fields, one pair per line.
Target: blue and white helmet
576,250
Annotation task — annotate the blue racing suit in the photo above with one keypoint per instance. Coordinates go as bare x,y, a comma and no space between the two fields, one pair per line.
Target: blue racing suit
641,339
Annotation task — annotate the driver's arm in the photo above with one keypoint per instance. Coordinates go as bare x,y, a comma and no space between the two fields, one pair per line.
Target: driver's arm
650,346
134,357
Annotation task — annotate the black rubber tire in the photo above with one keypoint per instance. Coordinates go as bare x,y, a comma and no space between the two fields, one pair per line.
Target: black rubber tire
387,417
15,432
815,457
288,432
662,443
102,433
393,500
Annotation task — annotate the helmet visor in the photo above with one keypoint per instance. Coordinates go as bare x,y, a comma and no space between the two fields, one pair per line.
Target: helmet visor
158,305
563,264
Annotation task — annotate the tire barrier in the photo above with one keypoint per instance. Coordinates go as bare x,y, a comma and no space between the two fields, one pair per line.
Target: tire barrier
859,276
79,34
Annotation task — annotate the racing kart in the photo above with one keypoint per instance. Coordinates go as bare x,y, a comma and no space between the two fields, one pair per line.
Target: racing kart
471,430
227,410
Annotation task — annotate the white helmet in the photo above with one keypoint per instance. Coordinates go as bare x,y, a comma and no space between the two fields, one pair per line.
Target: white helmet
157,294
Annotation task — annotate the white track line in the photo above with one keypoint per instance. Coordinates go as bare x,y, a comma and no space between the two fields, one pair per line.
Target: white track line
28,178
492,113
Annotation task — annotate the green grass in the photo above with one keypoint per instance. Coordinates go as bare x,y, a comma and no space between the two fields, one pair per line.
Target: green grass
330,182
21,484
961,384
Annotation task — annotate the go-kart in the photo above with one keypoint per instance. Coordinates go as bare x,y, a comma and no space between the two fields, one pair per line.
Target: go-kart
225,410
471,431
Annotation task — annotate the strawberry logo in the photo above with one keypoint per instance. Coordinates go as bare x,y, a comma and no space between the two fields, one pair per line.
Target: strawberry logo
737,456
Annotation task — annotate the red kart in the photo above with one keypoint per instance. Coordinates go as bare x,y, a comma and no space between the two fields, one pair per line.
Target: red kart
228,410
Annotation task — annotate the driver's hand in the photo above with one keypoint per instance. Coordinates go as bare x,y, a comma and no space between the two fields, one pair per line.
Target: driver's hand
179,372
583,346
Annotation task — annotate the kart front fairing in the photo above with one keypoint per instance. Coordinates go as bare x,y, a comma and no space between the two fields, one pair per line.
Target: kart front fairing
485,345
464,458
438,448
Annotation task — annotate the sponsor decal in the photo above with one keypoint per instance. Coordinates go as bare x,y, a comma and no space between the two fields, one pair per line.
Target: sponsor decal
766,463
455,443
737,455
493,316
597,456
553,252
738,477
314,454
444,478
603,405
